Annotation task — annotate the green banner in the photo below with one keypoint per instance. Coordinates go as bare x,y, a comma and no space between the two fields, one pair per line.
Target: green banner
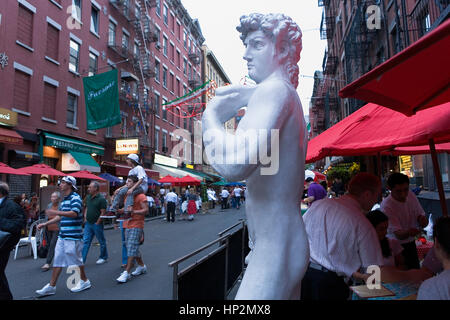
101,94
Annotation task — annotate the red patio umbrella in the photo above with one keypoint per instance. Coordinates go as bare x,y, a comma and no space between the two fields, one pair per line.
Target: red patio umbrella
8,170
416,78
168,179
41,168
374,129
84,174
189,180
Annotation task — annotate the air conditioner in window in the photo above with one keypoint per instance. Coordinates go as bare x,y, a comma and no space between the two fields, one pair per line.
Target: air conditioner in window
158,45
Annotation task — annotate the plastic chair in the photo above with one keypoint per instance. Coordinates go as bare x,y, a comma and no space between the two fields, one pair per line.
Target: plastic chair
31,240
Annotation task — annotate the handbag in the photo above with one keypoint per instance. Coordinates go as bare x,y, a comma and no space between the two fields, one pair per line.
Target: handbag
42,250
4,237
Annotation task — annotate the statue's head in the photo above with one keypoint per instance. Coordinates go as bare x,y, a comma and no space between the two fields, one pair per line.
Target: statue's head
283,33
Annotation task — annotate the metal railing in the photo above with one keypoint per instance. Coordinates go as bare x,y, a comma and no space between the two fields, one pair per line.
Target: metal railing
224,244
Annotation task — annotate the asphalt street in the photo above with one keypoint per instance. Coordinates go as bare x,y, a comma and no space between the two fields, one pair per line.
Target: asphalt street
164,242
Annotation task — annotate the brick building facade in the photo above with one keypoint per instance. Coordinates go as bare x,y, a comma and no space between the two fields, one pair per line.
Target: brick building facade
48,46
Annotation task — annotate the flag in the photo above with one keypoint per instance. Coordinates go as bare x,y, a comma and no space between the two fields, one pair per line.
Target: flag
101,94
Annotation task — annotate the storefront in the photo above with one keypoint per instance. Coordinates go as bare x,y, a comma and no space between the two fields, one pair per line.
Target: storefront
69,154
17,151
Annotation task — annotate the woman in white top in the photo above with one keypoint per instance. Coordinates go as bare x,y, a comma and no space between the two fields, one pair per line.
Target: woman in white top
390,248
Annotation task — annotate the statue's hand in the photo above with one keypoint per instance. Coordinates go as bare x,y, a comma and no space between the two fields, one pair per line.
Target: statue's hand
229,100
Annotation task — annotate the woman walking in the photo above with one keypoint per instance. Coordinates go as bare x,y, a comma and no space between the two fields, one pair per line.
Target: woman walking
52,230
192,204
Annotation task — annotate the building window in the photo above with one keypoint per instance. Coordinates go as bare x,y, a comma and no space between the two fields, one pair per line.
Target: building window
74,56
76,9
112,34
157,102
164,77
172,53
21,90
172,83
165,46
51,50
178,62
164,141
157,71
25,26
72,109
158,8
425,23
172,23
125,41
178,88
94,20
185,120
93,64
185,37
49,101
164,111
178,31
166,15
157,140
185,66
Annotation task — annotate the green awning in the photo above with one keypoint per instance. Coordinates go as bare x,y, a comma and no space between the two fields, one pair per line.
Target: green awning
205,176
70,144
85,161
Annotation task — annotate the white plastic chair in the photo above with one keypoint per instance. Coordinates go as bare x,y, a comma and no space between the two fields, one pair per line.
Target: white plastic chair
30,240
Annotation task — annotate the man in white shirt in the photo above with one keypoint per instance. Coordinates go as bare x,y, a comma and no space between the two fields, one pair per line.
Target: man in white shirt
171,202
237,194
342,242
406,217
224,194
211,197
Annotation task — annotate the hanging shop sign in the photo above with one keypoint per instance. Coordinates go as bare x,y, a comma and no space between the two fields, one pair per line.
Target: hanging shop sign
127,146
8,117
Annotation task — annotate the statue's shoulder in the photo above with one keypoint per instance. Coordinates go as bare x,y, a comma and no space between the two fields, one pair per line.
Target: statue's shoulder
274,88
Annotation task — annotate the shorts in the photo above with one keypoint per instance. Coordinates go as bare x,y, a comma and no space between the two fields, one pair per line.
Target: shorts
68,253
133,238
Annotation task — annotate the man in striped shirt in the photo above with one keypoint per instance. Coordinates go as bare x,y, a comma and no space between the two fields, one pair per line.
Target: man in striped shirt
68,250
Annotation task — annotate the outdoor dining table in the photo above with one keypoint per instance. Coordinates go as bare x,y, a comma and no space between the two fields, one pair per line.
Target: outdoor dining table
399,290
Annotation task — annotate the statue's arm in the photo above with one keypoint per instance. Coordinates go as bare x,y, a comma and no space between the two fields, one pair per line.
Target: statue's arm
265,111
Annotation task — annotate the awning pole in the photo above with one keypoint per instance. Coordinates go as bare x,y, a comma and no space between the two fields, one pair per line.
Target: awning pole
437,174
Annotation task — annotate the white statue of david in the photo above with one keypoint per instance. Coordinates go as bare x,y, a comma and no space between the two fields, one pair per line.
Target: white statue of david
273,124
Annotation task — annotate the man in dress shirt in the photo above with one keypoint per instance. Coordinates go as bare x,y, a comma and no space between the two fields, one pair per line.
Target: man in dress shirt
171,203
406,216
342,241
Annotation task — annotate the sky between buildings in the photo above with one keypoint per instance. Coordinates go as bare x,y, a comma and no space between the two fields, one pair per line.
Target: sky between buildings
219,18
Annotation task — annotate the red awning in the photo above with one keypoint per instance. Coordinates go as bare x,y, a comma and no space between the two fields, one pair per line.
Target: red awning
10,137
374,129
414,79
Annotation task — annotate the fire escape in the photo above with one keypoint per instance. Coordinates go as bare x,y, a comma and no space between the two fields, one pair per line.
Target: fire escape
142,62
357,56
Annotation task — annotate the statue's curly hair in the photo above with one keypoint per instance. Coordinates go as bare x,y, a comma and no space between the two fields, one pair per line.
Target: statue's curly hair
277,27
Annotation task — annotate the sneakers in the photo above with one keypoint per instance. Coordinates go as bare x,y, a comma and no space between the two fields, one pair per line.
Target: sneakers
81,285
124,277
139,270
100,261
47,290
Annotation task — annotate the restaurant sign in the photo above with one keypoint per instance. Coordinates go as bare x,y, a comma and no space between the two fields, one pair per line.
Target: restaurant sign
127,146
8,117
